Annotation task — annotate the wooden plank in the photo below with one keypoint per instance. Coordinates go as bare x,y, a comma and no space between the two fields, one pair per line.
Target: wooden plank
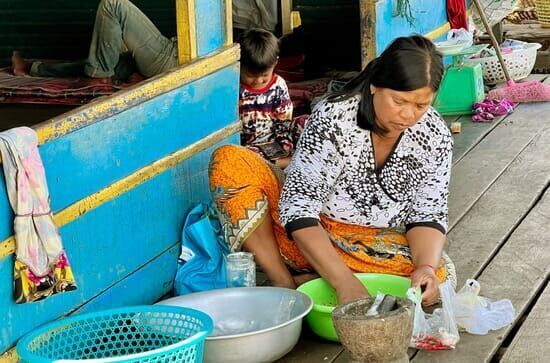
478,235
518,272
530,344
187,31
473,132
345,357
482,166
312,349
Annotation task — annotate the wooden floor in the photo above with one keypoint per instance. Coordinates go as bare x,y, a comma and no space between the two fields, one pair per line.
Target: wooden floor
499,211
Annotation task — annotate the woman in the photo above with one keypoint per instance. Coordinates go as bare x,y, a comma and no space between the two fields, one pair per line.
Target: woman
367,187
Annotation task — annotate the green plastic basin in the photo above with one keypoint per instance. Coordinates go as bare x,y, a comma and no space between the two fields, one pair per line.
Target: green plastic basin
324,298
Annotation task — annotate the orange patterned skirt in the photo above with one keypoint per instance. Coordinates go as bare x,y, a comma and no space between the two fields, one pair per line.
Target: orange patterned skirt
246,189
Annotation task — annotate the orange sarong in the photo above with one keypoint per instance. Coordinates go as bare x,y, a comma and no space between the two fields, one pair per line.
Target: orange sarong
246,189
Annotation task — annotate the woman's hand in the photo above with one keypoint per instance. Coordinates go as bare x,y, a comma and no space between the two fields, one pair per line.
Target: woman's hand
351,290
424,276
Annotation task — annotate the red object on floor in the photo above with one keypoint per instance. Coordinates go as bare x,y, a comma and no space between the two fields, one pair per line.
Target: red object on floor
57,91
456,14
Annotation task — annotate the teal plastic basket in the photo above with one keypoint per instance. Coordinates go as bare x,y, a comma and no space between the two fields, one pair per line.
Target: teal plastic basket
144,334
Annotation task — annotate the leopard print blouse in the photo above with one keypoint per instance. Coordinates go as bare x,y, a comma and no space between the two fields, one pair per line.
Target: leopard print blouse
333,173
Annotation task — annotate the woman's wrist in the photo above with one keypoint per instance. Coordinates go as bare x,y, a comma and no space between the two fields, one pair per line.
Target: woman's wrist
426,266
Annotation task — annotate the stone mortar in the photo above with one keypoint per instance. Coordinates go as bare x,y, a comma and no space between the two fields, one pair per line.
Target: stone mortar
383,338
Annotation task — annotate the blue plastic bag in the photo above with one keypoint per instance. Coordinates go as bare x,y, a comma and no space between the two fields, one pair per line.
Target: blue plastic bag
201,265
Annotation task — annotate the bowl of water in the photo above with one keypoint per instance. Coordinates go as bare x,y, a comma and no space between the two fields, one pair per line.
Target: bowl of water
251,324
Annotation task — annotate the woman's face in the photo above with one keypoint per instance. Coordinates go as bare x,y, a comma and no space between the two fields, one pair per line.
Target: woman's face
396,111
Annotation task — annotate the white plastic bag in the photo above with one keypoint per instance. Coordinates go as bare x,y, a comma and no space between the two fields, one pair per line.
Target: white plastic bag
477,314
437,331
461,36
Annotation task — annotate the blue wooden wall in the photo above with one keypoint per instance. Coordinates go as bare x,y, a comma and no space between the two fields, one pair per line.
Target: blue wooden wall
210,25
428,14
125,251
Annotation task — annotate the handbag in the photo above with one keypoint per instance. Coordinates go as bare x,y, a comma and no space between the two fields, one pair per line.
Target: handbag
201,265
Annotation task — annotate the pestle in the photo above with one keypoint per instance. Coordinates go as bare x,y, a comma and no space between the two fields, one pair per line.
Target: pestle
388,304
382,304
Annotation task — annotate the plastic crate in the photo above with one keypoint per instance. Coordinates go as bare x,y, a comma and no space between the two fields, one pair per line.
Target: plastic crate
142,334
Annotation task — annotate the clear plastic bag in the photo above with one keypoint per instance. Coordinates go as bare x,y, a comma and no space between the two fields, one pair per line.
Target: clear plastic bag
435,331
477,314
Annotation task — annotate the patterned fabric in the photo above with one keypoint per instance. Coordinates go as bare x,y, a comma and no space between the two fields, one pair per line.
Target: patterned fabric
266,114
246,189
333,173
41,266
59,91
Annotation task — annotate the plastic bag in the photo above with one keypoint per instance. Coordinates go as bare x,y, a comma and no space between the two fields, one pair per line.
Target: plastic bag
461,36
435,331
477,314
201,265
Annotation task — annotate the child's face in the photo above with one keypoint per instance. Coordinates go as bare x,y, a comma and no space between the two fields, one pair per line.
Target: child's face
256,80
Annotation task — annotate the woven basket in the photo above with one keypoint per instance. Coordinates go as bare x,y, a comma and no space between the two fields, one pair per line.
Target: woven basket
543,12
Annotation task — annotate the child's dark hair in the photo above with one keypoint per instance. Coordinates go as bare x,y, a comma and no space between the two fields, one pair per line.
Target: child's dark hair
259,50
407,64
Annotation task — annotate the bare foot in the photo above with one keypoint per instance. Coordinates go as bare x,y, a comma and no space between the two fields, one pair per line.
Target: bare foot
19,65
303,278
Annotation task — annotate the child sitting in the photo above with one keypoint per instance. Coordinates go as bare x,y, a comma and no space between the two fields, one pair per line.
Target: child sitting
264,102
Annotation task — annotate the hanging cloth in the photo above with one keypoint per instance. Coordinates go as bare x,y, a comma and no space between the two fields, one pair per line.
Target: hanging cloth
456,14
41,267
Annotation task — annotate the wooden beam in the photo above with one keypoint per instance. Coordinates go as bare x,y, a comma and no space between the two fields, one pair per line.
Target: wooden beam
228,22
187,30
368,31
286,21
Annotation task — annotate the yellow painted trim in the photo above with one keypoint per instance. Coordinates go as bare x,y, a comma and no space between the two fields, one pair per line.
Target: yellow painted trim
102,108
187,30
228,22
286,17
436,33
9,357
79,208
367,10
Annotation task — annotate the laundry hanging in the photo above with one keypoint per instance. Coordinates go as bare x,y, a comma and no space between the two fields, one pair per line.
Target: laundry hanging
41,267
456,14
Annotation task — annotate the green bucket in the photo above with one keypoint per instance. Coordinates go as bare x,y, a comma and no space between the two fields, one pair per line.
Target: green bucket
324,298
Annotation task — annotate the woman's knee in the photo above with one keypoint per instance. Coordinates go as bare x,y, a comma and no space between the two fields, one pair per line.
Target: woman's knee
112,5
232,157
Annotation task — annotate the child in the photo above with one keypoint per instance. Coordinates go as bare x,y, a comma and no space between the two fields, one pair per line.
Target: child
264,102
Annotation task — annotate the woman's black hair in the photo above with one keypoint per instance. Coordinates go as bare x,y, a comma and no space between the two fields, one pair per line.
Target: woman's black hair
407,64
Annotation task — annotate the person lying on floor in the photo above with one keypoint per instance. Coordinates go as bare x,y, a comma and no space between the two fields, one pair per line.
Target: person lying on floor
366,190
119,25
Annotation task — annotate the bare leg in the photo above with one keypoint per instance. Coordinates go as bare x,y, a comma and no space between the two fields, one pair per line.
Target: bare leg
19,65
263,245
